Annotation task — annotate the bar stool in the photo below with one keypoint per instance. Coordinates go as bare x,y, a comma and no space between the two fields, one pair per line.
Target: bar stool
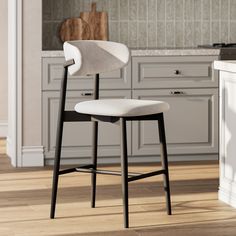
91,57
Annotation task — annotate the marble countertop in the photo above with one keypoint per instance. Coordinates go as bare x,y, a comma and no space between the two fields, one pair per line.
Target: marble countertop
229,66
174,51
154,52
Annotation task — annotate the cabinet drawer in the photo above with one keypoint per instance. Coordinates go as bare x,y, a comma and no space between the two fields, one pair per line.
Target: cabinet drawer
77,136
191,123
53,72
175,72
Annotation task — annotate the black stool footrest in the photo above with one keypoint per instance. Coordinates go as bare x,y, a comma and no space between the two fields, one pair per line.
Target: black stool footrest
67,171
105,172
90,169
142,176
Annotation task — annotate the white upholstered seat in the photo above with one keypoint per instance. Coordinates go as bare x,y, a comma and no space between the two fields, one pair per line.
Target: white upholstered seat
121,107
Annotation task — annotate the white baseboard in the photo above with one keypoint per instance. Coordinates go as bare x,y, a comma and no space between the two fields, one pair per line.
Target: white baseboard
32,156
3,129
227,196
9,147
10,152
134,159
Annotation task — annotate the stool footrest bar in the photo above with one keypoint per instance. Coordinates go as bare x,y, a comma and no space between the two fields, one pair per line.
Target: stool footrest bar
142,176
89,169
67,171
105,172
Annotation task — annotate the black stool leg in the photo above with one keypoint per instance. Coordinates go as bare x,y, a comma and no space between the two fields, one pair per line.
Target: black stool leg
57,159
56,172
94,162
164,161
94,145
124,171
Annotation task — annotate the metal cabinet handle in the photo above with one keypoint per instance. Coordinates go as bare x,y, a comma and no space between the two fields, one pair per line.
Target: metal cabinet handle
86,94
176,92
177,72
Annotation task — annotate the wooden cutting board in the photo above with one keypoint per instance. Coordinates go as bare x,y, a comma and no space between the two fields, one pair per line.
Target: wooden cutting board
74,29
97,22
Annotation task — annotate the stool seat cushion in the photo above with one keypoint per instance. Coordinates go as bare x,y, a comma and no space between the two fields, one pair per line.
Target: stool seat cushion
121,107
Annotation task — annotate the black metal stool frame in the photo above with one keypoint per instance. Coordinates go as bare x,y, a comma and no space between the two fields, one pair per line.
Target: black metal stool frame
73,116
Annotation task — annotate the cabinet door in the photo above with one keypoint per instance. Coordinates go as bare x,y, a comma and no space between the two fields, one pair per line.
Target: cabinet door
77,136
53,72
173,72
191,123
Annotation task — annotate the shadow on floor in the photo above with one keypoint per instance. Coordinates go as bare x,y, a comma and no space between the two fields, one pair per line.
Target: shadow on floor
207,228
113,191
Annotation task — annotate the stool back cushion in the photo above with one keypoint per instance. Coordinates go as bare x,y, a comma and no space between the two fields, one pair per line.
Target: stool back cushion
95,56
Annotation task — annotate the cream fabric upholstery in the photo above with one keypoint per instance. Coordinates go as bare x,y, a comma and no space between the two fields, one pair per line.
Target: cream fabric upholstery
95,56
121,107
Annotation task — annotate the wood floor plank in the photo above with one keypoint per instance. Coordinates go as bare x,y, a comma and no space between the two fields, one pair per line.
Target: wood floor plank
25,203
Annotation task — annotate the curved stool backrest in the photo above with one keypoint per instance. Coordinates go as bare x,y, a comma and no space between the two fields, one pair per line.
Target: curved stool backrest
94,56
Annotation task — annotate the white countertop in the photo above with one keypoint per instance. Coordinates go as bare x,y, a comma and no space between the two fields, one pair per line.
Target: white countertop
175,52
229,66
155,52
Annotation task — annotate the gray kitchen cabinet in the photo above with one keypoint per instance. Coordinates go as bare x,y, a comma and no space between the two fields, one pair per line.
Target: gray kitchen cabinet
190,86
191,123
77,136
173,72
187,83
53,72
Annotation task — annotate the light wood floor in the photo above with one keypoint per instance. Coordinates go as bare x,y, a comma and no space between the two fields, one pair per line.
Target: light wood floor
25,203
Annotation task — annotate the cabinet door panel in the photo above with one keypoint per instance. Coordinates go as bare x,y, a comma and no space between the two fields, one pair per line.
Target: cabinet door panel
77,136
53,72
191,123
173,72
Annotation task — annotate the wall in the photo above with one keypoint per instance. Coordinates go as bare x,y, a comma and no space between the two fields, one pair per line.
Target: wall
3,67
32,41
150,23
24,142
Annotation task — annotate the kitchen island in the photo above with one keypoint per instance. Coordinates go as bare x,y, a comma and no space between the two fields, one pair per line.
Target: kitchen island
227,117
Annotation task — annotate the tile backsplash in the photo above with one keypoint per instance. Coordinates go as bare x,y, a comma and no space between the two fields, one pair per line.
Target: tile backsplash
149,23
